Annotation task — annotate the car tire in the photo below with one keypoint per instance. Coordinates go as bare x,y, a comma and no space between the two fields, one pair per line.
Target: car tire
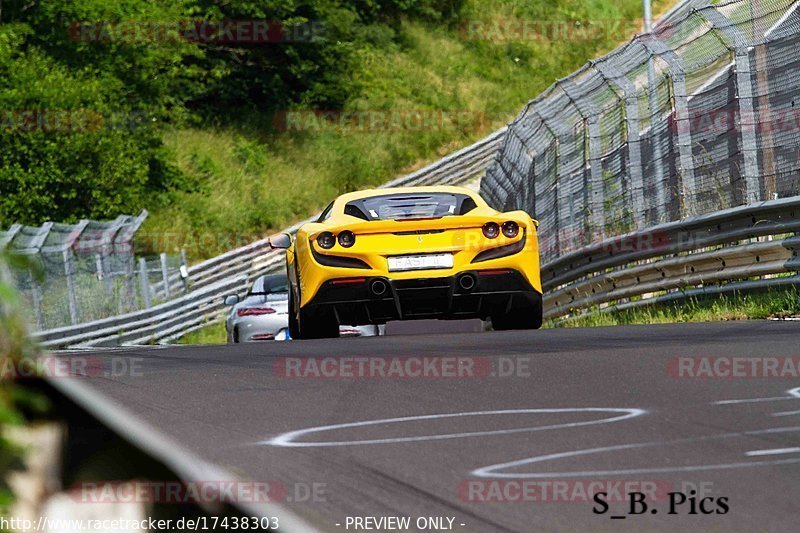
305,325
236,335
528,317
318,325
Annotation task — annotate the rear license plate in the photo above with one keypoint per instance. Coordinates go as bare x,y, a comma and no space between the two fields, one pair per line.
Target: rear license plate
420,262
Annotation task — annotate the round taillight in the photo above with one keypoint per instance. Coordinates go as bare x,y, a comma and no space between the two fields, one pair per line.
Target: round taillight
491,230
347,238
510,229
326,240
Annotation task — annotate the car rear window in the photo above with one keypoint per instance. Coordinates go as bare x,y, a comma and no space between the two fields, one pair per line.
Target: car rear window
410,206
270,285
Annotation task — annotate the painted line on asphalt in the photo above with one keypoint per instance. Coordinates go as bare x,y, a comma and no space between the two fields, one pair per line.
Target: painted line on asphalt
774,451
786,413
289,439
793,394
493,471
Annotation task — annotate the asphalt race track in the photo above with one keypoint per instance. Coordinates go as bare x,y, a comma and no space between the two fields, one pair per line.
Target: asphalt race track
501,431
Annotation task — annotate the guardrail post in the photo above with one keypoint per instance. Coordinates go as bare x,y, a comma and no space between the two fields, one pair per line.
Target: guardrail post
165,274
71,301
144,283
793,244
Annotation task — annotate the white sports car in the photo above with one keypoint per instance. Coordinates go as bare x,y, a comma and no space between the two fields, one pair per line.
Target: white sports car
262,315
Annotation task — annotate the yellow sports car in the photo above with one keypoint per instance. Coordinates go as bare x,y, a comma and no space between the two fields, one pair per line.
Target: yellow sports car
409,253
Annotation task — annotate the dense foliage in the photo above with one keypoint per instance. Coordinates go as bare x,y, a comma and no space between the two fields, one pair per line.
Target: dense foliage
87,87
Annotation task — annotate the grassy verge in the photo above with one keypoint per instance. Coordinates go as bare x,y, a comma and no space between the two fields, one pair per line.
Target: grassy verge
210,334
245,178
772,304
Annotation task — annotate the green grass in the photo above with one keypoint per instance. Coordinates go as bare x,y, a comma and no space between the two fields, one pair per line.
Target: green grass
772,304
247,180
210,334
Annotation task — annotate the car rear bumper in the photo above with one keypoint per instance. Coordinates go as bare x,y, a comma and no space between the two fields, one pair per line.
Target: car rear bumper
469,294
260,328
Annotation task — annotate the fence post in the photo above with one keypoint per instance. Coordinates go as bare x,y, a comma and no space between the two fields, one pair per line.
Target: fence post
591,155
144,283
73,306
744,92
685,165
184,270
557,131
98,266
636,169
36,297
658,156
108,275
165,274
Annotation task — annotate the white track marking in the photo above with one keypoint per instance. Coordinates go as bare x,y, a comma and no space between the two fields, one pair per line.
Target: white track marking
492,470
288,439
774,451
793,394
786,413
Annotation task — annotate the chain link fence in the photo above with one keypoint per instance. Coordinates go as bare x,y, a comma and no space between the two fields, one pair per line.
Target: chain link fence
700,115
75,273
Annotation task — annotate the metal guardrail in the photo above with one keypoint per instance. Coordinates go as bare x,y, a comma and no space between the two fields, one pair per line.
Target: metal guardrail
691,257
234,271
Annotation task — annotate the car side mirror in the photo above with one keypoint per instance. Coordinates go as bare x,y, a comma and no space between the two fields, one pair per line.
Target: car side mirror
231,299
280,241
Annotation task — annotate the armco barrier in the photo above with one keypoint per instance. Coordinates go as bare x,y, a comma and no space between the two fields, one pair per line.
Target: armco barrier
689,257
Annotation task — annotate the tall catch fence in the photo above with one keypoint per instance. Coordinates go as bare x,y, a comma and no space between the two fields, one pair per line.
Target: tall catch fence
75,273
701,115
